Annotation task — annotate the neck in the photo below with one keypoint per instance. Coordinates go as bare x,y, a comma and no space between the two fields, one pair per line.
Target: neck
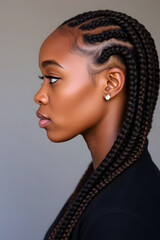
100,138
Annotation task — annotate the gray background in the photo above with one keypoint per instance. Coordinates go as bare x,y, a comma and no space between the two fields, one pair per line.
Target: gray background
36,175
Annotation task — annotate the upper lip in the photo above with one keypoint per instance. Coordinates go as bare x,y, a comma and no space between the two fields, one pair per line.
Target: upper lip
41,116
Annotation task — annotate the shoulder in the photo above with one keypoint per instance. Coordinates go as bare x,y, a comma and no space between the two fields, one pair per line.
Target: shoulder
113,226
134,192
128,208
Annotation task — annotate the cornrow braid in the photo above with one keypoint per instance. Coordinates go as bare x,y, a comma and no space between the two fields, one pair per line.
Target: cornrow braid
142,81
97,23
106,35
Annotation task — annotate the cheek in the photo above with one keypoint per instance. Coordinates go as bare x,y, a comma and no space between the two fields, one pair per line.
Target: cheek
75,108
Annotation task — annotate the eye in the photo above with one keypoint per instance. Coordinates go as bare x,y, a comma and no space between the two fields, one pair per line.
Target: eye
53,79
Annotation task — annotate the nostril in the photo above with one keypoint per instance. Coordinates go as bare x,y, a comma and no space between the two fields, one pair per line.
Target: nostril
41,98
40,102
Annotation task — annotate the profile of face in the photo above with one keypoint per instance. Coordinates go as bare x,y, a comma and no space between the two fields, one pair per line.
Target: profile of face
70,102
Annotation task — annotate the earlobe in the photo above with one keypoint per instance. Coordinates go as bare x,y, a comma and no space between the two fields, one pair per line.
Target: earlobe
115,80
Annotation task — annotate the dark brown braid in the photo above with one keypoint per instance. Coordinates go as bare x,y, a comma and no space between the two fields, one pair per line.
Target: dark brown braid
106,35
142,81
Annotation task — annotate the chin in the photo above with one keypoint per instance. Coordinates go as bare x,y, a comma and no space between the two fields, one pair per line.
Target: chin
58,137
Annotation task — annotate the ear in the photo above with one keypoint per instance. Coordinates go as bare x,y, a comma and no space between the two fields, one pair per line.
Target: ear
115,80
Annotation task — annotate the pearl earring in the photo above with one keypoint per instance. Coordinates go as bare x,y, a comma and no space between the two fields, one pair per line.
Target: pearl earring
107,97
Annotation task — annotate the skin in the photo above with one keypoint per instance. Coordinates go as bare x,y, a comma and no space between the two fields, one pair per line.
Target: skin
75,104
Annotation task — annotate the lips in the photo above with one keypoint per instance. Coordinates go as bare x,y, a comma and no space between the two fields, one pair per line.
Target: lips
44,120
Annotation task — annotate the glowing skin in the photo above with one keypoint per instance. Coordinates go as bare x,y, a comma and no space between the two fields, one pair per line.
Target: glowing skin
74,103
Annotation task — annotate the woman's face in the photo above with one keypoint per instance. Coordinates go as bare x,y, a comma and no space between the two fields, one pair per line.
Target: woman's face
68,98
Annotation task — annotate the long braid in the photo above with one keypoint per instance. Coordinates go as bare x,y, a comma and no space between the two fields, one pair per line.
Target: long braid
142,79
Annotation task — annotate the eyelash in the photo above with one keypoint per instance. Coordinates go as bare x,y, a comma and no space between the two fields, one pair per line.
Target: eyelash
50,77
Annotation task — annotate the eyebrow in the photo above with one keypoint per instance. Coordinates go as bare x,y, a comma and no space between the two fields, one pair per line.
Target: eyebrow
50,62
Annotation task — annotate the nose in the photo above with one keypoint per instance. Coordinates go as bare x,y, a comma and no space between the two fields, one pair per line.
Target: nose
41,97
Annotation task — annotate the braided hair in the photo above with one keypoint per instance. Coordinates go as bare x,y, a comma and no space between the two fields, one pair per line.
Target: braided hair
115,33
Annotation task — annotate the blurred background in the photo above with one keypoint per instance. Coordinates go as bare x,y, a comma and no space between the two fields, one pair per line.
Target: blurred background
36,175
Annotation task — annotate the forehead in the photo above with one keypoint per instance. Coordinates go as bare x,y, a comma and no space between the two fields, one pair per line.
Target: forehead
58,47
54,46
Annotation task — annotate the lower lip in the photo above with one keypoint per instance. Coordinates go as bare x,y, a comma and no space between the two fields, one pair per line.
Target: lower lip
44,122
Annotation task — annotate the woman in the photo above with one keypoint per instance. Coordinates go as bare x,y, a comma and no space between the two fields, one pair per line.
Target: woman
100,79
